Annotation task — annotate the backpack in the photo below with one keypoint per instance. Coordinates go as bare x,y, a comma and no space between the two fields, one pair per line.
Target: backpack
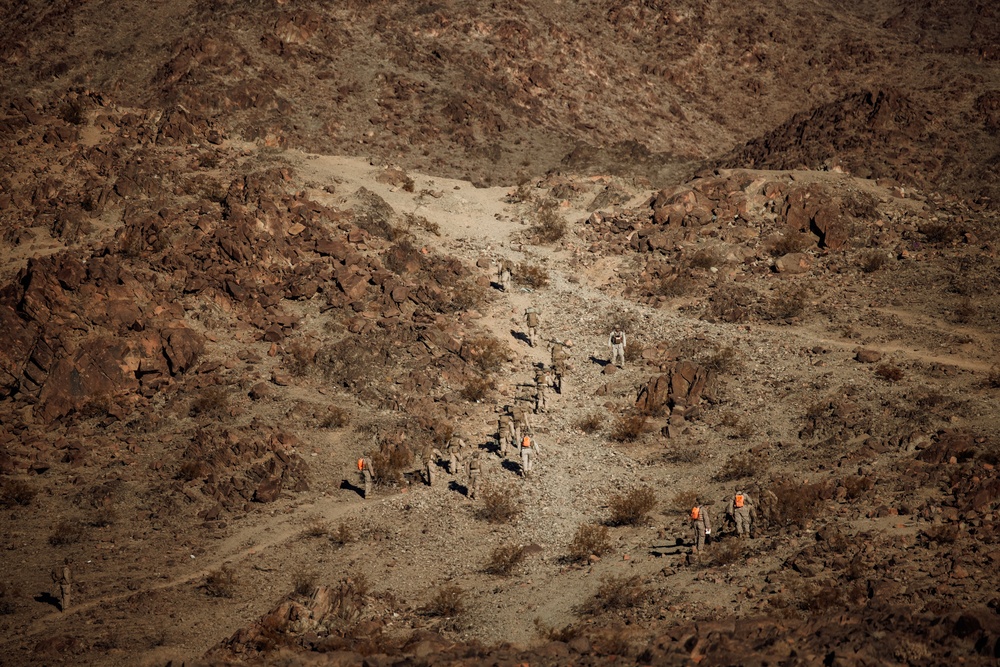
616,338
532,319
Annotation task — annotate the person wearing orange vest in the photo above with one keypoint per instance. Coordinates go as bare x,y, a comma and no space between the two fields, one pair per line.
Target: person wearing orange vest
740,508
529,452
702,525
367,471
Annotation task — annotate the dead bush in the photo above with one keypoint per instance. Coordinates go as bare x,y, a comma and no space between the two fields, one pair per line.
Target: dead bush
402,258
504,559
632,508
873,260
680,454
347,604
938,232
317,528
787,304
731,303
15,492
724,361
499,504
67,531
741,465
590,539
221,583
592,423
628,428
212,402
103,517
344,534
965,310
633,349
448,601
683,501
790,503
411,221
788,243
549,226
675,286
477,389
299,358
889,372
390,461
615,594
486,354
727,552
335,417
304,583
533,276
857,486
704,259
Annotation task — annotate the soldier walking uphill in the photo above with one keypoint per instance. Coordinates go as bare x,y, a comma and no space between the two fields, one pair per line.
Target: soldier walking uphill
740,507
367,473
504,275
533,320
560,365
62,576
457,452
542,381
702,526
473,469
617,343
529,452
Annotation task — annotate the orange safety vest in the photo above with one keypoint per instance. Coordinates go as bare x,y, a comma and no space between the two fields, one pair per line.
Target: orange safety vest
361,464
526,442
739,500
695,513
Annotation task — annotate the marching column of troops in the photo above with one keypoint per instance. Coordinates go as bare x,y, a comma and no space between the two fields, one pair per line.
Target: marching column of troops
515,432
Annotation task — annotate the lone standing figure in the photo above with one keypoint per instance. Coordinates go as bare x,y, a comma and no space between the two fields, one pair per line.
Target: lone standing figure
617,342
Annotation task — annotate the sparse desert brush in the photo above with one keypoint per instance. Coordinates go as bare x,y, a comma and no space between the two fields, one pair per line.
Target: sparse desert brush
448,601
591,423
318,527
221,583
993,378
590,539
684,500
788,502
485,353
741,465
857,486
389,462
628,428
731,303
728,552
304,583
499,504
873,260
67,531
787,304
705,259
15,492
724,361
344,534
889,372
477,388
299,358
675,286
939,232
505,559
631,508
634,349
212,402
103,517
412,221
617,593
335,417
533,276
549,225
788,243
403,257
965,310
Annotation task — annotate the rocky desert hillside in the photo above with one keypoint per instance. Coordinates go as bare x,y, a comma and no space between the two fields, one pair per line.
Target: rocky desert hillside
245,244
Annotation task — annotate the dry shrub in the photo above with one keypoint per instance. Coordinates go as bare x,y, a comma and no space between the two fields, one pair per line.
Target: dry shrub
742,465
390,461
728,552
304,583
628,428
787,304
675,286
347,604
212,402
788,243
633,350
723,361
591,539
549,226
67,531
993,378
889,372
103,517
499,504
486,353
221,583
477,389
680,454
966,310
504,559
533,276
299,358
449,601
336,417
317,528
616,593
411,221
632,508
857,486
704,259
591,423
15,492
684,500
938,232
790,503
402,257
731,303
344,534
873,260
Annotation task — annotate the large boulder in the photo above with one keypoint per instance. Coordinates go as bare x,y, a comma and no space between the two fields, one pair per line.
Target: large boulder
682,385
